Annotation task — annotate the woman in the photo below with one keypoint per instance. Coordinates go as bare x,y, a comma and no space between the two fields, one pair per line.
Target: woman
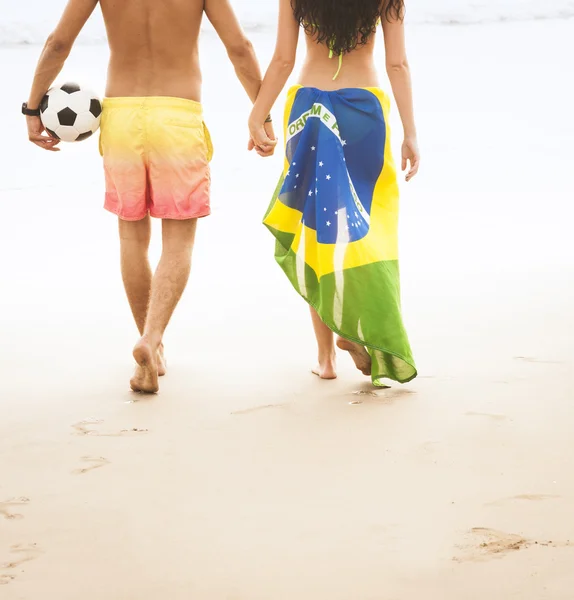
335,211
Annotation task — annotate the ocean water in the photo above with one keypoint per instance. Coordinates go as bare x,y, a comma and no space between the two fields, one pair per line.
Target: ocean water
30,22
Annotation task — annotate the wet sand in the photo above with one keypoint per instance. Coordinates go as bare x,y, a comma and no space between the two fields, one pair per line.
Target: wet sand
248,477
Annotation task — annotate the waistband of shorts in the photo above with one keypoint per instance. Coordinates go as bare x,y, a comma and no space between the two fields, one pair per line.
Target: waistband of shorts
153,102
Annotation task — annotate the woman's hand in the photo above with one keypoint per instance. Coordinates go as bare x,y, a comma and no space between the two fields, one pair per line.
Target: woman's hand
262,138
37,135
411,155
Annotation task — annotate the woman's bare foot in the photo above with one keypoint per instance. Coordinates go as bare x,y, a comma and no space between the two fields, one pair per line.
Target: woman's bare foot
161,362
145,379
326,368
358,353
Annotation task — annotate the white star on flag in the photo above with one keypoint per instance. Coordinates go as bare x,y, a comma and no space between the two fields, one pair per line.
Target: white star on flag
321,164
288,173
295,187
313,148
344,142
356,215
328,178
328,223
316,190
336,212
297,175
294,164
310,192
325,209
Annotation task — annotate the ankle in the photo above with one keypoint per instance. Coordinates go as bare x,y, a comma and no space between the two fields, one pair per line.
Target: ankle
327,357
154,341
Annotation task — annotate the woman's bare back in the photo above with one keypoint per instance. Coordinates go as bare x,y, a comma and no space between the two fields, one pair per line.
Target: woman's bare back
154,47
357,67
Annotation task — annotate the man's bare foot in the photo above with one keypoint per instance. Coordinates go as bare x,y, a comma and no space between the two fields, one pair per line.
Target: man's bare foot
326,369
358,353
161,362
145,379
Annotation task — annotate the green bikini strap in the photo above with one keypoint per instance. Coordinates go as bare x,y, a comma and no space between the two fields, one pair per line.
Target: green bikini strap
331,54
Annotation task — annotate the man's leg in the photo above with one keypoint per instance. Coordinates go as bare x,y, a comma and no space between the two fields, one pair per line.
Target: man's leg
167,287
135,237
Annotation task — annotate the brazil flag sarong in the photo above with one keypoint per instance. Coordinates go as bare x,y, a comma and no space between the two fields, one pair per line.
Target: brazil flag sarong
335,218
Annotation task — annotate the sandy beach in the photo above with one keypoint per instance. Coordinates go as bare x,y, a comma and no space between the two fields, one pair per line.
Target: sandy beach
247,478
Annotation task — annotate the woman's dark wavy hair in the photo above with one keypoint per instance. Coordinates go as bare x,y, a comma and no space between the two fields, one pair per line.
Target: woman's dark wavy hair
343,25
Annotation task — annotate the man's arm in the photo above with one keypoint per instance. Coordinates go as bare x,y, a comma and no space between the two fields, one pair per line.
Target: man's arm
52,59
241,53
239,48
58,47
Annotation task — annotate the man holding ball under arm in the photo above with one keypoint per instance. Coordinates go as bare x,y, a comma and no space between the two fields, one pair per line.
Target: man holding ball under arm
155,145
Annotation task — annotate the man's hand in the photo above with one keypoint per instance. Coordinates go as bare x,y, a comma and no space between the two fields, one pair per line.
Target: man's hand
37,135
262,139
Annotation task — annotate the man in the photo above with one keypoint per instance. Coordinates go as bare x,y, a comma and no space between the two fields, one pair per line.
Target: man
155,146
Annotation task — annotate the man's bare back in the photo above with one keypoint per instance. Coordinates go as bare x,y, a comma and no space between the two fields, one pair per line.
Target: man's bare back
154,47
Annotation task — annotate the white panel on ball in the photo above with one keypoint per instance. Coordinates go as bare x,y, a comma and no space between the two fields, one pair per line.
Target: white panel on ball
86,122
79,102
57,101
67,134
50,120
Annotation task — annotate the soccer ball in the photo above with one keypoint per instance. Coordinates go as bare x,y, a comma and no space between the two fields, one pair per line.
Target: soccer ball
70,112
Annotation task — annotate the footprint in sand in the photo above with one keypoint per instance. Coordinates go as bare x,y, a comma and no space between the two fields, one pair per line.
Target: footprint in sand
533,359
366,393
253,409
93,462
5,507
490,543
380,395
492,417
529,497
23,553
85,427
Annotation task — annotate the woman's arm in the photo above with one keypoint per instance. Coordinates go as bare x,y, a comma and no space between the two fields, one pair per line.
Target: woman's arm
279,70
400,78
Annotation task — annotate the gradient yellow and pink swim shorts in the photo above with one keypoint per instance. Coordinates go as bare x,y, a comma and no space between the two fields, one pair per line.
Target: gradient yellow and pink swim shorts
156,157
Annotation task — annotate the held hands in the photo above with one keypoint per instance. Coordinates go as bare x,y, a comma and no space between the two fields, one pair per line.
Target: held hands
37,135
262,138
411,154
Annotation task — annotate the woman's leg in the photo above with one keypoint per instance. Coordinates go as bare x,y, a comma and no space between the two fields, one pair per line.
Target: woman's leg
327,368
359,354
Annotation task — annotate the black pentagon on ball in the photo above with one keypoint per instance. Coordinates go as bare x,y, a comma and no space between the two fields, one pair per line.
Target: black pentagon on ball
67,117
53,133
96,107
84,136
70,88
44,103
